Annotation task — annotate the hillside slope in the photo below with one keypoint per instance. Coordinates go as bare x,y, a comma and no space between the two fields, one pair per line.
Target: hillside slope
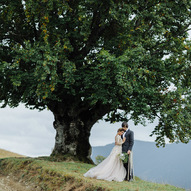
6,154
45,174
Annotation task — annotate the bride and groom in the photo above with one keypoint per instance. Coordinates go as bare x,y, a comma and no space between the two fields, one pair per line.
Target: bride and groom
112,168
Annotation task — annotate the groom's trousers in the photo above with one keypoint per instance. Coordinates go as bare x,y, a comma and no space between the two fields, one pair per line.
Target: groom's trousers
129,168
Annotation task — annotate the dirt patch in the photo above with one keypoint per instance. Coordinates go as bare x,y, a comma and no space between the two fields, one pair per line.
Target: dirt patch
7,183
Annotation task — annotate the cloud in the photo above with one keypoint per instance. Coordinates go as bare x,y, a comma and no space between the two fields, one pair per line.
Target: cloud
27,132
31,133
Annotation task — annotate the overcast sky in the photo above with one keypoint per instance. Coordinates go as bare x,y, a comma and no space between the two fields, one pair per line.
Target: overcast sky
31,133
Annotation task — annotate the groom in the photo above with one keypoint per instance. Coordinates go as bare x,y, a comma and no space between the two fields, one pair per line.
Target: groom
127,148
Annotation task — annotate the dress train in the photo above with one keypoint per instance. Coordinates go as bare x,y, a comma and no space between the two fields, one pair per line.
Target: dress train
111,168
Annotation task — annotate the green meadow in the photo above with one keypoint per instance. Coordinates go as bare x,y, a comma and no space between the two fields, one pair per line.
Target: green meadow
46,174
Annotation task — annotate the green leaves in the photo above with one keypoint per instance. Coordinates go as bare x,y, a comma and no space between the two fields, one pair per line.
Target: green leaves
123,56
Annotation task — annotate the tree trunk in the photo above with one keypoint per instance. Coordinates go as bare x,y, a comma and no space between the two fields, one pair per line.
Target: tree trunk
73,124
72,138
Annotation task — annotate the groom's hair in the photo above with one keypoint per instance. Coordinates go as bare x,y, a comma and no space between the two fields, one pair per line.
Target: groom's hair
124,124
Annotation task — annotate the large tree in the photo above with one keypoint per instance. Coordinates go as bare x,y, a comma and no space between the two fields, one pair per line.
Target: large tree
83,59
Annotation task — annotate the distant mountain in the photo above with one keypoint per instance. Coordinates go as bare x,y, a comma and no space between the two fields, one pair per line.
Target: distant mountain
170,165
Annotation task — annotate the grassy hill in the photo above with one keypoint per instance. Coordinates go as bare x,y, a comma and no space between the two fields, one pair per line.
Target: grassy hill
45,174
6,154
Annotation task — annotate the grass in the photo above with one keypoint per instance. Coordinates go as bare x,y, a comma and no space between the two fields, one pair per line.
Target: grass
5,154
57,176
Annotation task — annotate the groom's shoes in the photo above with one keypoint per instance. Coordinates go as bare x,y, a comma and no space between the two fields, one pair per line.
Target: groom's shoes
125,179
130,180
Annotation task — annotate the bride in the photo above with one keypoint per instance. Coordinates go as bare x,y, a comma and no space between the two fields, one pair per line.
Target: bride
112,167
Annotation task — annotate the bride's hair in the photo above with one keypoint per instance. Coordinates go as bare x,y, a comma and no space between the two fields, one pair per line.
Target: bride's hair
120,129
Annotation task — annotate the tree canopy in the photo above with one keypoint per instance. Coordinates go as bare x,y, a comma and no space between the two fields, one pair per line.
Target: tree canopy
128,59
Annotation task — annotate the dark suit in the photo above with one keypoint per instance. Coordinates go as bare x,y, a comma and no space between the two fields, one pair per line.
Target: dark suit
128,145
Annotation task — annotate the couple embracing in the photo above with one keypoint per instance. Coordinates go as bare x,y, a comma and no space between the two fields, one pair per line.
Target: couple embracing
112,168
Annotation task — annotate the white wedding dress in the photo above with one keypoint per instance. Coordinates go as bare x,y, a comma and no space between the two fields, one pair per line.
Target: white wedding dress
110,168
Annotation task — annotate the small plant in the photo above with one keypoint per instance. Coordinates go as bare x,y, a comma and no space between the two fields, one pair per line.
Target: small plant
99,159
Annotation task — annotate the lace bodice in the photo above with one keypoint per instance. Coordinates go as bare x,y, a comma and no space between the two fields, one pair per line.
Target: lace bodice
118,140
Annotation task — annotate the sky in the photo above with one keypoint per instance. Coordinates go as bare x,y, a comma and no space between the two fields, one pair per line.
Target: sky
31,132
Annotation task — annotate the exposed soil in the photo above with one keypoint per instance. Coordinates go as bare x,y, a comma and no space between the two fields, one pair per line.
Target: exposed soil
9,184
